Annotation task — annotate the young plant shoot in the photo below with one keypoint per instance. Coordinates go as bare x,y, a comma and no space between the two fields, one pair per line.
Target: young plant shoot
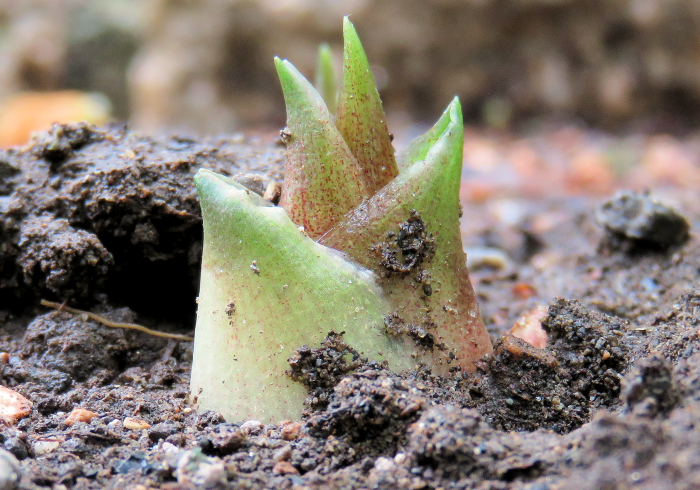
363,242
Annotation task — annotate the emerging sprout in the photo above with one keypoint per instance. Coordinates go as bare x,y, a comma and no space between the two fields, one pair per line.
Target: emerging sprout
325,78
363,242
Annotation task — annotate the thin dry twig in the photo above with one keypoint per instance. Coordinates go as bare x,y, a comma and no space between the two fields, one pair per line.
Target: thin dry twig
109,323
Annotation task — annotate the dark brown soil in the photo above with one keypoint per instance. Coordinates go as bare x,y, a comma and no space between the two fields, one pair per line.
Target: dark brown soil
109,221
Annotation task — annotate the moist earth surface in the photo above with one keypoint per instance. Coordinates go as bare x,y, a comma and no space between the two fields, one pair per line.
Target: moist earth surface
108,221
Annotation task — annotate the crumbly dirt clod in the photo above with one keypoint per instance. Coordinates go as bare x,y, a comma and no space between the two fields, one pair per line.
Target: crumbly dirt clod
456,444
62,262
69,346
636,221
650,389
320,369
370,404
7,171
676,332
135,199
520,387
524,388
62,140
588,345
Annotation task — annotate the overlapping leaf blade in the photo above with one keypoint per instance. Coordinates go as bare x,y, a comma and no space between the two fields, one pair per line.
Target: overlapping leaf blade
431,187
360,118
267,289
419,147
323,181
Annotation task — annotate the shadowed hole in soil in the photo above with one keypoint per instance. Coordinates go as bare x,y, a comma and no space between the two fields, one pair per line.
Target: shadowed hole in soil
156,290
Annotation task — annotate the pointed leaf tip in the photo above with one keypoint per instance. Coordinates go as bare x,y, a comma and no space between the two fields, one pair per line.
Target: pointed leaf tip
325,80
360,116
451,141
418,149
455,108
323,181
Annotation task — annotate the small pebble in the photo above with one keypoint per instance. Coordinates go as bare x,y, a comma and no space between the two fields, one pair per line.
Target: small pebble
132,423
285,468
384,464
251,426
162,431
529,327
272,191
169,448
45,445
283,454
17,445
79,415
637,217
13,406
483,257
228,439
10,474
291,432
194,469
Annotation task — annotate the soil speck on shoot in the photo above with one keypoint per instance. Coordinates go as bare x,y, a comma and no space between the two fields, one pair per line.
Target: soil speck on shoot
407,250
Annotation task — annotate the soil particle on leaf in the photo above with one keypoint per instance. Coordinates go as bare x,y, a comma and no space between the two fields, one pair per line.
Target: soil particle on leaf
425,278
320,369
635,220
230,309
396,326
413,243
285,137
253,182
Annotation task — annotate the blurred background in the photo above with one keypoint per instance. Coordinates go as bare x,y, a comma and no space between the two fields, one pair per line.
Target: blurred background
594,87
